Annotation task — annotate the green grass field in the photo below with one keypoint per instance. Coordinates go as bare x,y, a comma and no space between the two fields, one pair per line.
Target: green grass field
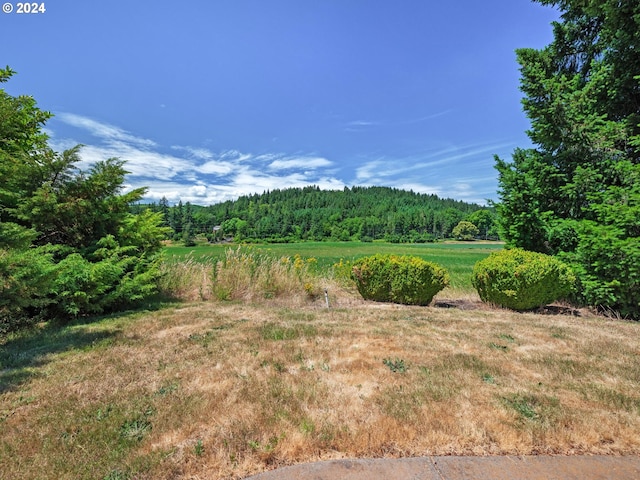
457,257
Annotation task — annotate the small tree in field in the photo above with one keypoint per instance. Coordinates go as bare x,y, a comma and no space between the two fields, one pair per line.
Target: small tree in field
465,231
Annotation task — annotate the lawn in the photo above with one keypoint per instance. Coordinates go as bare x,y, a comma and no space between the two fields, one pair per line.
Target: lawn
228,389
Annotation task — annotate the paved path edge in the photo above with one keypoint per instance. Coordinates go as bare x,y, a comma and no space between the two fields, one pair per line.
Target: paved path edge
596,467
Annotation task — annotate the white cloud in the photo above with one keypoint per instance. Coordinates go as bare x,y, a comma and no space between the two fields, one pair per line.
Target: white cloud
140,162
418,187
197,191
108,133
201,176
235,156
300,162
216,167
362,123
199,153
371,170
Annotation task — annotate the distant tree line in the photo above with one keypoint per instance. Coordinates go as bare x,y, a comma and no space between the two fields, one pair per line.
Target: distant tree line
309,213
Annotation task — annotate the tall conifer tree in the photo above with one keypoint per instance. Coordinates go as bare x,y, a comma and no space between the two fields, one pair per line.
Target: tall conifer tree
577,193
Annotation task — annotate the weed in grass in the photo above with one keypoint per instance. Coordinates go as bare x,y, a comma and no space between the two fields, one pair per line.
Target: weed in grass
267,447
254,445
497,346
137,428
167,389
558,332
488,378
524,405
117,475
396,365
307,426
279,367
507,337
198,448
535,407
203,339
104,413
273,331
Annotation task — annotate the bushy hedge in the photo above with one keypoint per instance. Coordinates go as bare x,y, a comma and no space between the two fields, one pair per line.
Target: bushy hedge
25,279
44,283
522,280
399,279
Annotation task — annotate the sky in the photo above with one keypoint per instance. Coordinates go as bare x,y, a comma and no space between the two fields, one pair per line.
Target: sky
208,100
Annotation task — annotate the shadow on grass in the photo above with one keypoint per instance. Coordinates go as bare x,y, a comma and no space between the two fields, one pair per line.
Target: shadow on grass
23,352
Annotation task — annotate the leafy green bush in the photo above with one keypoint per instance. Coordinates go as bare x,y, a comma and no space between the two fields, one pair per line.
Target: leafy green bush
522,280
608,267
45,282
25,286
116,277
398,279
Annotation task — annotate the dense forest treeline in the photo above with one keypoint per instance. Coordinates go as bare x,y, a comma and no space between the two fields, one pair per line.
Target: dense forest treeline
309,213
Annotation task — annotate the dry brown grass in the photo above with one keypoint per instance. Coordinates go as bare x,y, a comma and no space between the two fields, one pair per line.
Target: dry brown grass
227,389
246,274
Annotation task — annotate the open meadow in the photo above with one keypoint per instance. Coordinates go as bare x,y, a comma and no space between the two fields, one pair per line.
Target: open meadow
457,257
251,378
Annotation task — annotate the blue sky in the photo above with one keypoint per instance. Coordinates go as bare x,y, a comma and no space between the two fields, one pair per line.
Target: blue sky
208,100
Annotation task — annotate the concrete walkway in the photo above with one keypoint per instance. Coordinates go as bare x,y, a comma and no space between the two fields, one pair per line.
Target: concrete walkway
465,468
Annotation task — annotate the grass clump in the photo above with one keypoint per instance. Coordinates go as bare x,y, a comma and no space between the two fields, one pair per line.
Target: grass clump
522,280
402,279
242,273
396,365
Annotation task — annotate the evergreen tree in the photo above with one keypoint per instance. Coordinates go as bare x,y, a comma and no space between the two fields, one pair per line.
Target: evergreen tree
573,194
68,243
164,209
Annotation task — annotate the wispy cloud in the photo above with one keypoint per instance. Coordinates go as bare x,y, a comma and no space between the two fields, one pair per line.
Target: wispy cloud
199,153
364,125
458,172
308,163
202,176
195,174
104,131
431,161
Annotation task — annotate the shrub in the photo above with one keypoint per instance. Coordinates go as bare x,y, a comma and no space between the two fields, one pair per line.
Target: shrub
522,280
399,279
117,277
25,285
608,267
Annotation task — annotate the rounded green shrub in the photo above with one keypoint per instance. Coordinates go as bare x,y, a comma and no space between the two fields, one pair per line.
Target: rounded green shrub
399,279
522,280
